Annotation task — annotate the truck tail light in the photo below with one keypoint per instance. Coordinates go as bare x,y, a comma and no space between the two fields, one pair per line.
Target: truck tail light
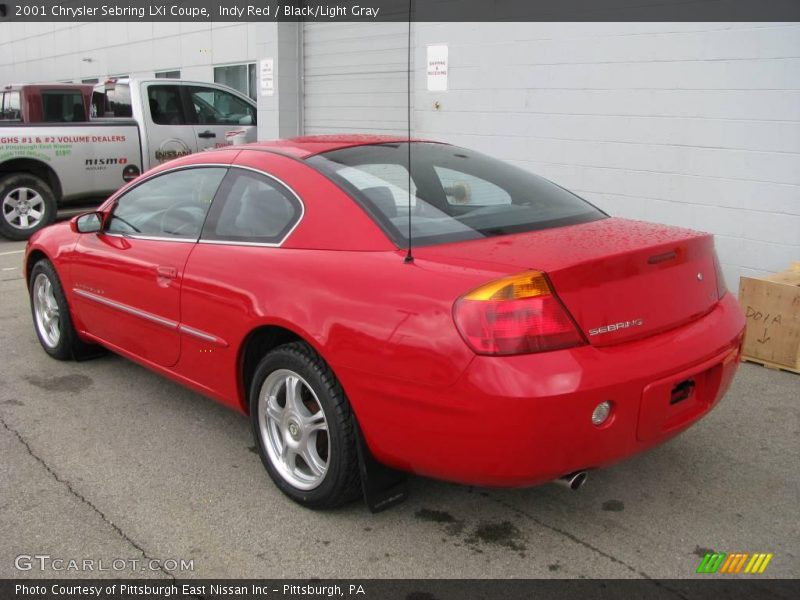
519,314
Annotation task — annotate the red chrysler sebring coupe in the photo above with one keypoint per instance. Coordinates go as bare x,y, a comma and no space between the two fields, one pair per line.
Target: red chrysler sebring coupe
525,337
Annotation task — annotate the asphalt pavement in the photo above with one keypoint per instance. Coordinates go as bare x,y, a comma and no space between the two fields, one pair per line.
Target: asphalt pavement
104,460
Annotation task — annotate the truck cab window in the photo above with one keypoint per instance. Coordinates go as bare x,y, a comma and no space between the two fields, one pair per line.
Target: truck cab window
119,101
113,102
9,107
63,107
166,107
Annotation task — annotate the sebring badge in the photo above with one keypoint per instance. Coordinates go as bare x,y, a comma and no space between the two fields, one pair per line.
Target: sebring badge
616,326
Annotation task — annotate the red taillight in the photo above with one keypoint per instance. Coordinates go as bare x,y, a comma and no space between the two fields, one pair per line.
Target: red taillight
515,315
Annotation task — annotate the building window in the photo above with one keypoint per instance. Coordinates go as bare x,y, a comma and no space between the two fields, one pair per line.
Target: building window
239,77
176,74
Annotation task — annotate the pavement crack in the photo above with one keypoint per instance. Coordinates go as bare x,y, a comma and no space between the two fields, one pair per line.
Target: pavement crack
574,538
66,483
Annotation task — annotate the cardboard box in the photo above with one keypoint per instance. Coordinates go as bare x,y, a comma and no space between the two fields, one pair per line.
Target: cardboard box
772,308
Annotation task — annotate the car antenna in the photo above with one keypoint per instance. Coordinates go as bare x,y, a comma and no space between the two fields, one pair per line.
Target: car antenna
409,257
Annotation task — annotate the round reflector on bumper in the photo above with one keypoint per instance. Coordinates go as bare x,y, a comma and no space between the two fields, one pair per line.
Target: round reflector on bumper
601,413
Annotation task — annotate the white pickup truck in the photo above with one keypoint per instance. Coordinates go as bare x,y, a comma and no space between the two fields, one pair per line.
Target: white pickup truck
134,125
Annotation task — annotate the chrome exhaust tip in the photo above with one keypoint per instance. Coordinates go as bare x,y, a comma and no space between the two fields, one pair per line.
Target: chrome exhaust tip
573,481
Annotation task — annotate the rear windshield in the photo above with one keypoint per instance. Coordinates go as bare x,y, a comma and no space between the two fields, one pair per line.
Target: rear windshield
456,194
63,106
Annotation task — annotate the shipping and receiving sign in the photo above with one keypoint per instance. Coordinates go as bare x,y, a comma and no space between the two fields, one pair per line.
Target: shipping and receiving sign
437,68
267,77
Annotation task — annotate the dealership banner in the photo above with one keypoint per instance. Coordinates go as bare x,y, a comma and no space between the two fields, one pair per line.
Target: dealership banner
400,10
399,589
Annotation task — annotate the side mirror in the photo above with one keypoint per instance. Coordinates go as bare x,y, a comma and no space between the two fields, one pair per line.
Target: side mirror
88,223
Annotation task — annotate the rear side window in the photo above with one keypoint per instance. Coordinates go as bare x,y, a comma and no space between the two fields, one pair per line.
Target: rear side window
63,107
455,194
118,101
9,106
112,102
252,208
166,107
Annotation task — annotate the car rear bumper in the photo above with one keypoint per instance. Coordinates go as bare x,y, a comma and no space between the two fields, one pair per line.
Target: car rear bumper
522,420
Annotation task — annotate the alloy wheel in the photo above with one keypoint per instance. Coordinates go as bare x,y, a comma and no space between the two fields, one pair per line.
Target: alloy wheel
45,309
294,429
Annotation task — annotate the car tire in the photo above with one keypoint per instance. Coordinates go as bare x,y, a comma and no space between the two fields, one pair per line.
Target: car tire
27,203
51,317
306,439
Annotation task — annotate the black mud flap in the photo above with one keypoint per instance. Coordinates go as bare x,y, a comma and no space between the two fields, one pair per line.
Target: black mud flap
383,486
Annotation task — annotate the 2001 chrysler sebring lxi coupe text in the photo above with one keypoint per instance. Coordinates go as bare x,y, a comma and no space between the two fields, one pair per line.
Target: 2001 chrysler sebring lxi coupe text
530,337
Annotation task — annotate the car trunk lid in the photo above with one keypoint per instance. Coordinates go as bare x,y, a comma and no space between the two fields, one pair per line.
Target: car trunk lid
620,279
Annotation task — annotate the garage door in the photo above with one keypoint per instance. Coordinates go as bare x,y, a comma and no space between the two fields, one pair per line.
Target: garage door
355,78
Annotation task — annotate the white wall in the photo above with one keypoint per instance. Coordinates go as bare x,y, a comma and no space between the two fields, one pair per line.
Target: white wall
692,124
279,114
32,52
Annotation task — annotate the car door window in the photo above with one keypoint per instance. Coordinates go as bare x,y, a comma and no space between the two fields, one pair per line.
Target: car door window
172,206
218,107
252,208
166,107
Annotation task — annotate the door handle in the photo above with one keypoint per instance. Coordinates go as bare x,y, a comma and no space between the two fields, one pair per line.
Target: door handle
207,134
167,272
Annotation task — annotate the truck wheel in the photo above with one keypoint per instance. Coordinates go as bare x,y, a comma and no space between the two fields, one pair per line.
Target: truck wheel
27,204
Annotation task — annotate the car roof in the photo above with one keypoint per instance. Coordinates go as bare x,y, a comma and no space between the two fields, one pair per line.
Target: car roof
309,145
299,148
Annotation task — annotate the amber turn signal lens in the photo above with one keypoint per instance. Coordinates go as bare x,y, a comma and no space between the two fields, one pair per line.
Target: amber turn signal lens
525,285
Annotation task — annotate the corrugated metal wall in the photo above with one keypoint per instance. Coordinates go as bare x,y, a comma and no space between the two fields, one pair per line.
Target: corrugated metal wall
355,77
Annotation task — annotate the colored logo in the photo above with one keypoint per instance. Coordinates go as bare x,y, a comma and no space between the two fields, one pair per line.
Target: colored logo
735,563
99,162
130,172
171,148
